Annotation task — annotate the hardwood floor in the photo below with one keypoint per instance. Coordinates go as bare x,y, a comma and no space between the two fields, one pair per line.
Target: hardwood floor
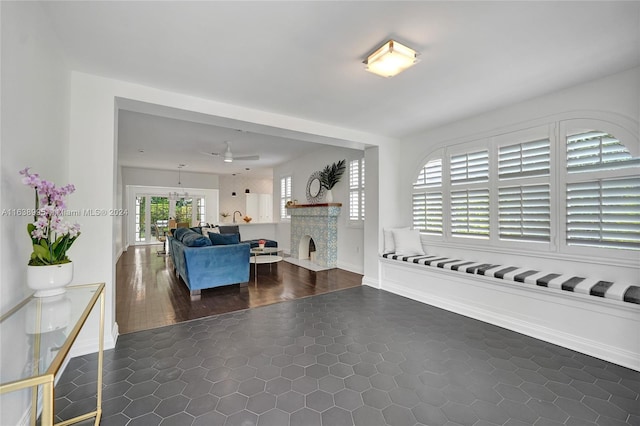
149,295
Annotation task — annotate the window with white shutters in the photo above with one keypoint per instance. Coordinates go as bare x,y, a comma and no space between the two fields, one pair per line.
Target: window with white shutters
569,187
604,213
524,159
285,196
524,206
356,190
596,151
427,198
469,205
524,213
472,167
602,192
470,213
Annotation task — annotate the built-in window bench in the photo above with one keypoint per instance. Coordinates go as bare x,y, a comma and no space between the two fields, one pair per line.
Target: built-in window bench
596,317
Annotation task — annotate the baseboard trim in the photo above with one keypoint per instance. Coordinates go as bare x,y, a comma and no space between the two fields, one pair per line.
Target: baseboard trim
371,282
89,346
351,267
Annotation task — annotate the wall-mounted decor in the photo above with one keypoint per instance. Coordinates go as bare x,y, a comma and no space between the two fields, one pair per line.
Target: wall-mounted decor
315,190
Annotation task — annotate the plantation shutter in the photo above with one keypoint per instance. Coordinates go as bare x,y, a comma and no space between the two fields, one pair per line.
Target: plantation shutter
362,182
595,150
470,213
604,213
356,189
427,198
472,167
524,213
285,196
430,175
524,159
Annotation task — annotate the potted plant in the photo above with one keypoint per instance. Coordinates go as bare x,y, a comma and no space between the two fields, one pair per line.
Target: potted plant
330,176
224,216
49,269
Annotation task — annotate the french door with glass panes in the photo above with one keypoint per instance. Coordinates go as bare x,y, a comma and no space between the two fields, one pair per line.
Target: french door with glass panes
152,214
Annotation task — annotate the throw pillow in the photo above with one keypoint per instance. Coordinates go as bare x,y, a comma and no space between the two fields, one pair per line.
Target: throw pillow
407,242
224,239
207,231
179,233
197,229
389,243
193,239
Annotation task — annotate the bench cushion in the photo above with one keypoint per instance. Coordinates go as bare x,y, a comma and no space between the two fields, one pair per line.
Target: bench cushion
598,288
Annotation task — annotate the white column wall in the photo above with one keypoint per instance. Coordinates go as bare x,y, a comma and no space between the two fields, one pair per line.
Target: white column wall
35,114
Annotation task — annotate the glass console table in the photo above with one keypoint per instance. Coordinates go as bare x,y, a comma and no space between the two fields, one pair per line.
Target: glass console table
46,327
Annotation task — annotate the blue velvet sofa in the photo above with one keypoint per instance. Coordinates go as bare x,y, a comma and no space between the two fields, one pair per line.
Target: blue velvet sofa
202,265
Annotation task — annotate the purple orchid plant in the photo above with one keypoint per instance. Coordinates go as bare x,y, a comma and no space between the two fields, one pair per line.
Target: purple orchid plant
50,234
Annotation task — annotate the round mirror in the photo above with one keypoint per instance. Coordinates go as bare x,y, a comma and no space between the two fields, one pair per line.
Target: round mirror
315,191
314,187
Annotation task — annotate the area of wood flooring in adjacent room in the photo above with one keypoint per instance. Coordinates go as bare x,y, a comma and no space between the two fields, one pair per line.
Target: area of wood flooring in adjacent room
149,295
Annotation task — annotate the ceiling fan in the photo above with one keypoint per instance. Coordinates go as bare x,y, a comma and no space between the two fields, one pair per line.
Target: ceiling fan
228,157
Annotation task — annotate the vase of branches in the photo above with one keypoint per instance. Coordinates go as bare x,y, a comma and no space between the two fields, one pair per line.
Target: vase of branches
330,176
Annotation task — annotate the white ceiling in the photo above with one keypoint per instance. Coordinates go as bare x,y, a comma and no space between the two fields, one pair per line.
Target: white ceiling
304,59
167,142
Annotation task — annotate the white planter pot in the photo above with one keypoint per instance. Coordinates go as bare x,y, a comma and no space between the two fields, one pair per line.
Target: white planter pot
328,196
49,280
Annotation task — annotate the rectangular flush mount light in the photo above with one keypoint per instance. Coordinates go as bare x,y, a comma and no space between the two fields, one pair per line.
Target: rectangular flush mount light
391,59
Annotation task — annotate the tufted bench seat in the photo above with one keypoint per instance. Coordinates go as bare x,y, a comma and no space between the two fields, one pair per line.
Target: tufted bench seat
607,289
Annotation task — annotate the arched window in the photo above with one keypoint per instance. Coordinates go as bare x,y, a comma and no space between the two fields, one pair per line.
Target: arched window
602,192
569,186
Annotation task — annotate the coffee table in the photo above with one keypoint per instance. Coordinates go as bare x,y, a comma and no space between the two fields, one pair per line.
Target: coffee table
264,255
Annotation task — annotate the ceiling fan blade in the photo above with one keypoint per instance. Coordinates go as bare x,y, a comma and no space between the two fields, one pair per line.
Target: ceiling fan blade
247,158
213,154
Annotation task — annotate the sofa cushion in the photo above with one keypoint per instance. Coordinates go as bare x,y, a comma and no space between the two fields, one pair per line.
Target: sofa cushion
197,229
193,239
224,239
179,232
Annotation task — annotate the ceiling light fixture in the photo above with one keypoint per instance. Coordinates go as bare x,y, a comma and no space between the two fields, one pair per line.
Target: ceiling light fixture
391,59
179,195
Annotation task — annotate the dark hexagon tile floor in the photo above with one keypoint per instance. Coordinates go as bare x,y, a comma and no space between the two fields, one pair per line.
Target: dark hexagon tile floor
354,357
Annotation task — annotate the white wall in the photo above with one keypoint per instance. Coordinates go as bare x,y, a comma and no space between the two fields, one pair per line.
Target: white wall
239,183
617,96
350,237
35,116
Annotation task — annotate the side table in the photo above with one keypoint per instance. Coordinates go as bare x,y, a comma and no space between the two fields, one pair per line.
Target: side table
263,255
49,326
